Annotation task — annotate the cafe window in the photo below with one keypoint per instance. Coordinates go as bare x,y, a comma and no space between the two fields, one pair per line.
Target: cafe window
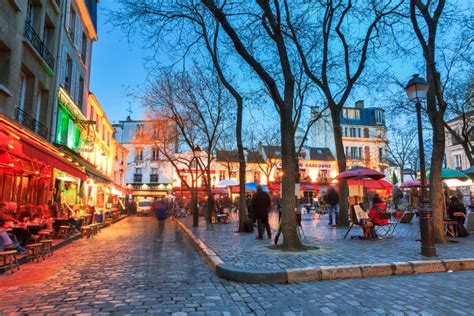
221,175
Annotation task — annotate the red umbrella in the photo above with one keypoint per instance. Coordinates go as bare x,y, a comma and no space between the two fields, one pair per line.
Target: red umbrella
411,184
360,173
219,191
372,184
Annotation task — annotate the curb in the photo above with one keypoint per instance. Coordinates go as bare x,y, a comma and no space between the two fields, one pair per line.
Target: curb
321,273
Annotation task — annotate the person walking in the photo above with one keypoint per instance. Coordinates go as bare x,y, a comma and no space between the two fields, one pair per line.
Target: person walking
160,207
261,206
332,199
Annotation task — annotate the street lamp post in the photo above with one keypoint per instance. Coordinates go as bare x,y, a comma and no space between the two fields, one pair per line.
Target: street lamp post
416,90
197,154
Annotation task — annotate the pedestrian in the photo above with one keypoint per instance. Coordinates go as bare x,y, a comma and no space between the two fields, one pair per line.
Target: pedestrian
261,206
332,199
160,207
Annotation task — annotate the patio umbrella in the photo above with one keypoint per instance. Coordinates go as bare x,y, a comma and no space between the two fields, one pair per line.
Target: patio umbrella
225,183
219,191
410,184
360,173
452,174
252,186
372,184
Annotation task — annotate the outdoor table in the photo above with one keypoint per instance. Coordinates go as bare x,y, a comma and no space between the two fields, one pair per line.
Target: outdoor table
59,221
33,228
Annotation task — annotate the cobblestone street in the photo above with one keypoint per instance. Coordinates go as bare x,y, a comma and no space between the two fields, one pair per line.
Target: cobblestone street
127,269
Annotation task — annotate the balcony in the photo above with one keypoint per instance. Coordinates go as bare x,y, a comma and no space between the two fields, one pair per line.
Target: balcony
38,45
29,122
137,178
153,178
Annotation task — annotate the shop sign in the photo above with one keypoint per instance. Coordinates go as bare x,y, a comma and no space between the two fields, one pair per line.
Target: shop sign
279,165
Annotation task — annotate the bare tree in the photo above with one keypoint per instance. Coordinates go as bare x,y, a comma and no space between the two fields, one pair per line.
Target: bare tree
196,29
334,56
196,102
402,146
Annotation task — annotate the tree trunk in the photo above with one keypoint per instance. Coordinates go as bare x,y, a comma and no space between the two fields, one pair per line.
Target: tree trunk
341,163
194,203
436,182
402,173
242,166
288,202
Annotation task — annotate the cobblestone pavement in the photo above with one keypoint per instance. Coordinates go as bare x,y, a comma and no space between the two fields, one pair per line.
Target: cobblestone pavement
243,251
127,270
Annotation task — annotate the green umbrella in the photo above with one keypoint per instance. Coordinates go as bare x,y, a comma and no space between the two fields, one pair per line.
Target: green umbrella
452,174
394,178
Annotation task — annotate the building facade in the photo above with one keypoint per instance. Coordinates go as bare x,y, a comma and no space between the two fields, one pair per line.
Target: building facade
29,40
364,136
456,157
148,173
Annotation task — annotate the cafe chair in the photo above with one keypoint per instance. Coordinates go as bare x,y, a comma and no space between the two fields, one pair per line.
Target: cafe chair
36,251
47,247
63,232
9,259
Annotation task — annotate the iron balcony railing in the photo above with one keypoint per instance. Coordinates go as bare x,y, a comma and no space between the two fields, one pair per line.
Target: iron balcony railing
29,122
39,45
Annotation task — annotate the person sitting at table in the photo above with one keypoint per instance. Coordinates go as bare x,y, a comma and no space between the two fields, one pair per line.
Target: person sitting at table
456,207
378,207
9,241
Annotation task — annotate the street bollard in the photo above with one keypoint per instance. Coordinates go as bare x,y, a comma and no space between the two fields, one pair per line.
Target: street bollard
427,232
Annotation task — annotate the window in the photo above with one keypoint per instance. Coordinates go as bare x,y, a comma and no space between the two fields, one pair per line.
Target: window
139,154
256,176
68,75
138,170
154,170
358,133
84,48
140,130
346,132
30,13
21,103
221,175
72,23
5,54
352,132
38,104
351,114
458,161
378,117
354,153
154,176
81,92
381,155
155,154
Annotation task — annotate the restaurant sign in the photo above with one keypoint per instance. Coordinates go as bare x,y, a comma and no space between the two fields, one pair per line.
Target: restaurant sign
305,165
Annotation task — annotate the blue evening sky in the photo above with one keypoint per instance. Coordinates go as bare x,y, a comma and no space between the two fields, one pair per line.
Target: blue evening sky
117,68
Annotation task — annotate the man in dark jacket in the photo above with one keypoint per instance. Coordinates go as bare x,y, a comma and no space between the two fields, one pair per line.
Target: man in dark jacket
261,206
332,199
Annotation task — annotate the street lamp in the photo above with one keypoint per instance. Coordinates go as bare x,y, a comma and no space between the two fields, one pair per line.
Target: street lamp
416,90
197,154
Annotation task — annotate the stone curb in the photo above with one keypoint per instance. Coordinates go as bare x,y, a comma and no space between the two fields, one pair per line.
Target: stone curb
321,273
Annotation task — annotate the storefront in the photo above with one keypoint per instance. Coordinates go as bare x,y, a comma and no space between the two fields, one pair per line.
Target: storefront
27,167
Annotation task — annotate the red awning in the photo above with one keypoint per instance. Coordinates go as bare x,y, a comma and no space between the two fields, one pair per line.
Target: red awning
372,184
26,144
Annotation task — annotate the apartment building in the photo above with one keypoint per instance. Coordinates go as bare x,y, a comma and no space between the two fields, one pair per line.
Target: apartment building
29,38
148,173
364,136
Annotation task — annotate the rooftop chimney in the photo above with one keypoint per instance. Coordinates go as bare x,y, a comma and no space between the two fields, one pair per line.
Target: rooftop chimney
359,104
